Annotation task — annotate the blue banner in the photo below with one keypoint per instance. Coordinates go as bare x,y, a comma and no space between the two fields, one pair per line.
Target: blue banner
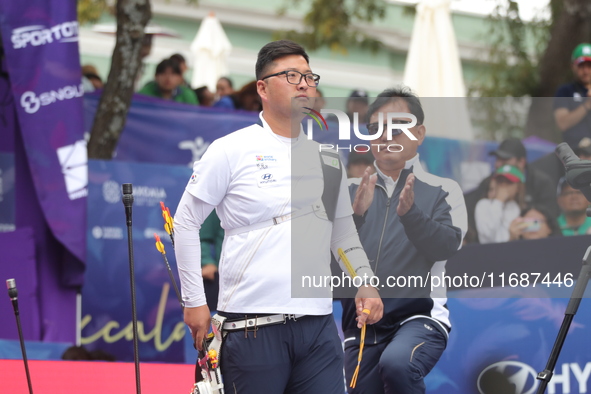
106,299
499,346
158,131
40,40
164,132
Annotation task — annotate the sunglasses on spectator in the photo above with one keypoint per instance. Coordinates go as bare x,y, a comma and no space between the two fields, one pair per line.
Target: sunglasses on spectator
374,128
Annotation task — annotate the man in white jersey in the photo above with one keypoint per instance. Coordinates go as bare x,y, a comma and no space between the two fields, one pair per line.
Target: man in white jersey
266,183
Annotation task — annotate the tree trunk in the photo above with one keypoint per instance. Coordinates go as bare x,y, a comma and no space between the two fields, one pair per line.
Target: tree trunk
111,114
569,29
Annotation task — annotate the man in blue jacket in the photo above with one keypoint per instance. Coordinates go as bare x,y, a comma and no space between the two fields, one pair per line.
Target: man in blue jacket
409,222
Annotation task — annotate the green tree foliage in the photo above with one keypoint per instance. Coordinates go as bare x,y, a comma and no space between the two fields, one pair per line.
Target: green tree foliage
527,62
510,76
515,50
331,24
90,11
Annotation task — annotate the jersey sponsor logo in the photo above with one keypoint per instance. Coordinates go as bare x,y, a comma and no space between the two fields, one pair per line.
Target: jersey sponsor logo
265,158
266,180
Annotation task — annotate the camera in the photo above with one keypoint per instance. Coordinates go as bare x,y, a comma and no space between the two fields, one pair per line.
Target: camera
533,225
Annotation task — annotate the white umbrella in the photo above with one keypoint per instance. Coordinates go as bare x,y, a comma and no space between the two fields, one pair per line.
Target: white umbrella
433,69
210,50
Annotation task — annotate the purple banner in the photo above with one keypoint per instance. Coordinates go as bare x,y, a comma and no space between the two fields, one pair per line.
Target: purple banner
40,40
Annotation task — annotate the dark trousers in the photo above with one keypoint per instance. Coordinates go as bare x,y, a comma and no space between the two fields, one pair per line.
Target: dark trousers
299,357
399,364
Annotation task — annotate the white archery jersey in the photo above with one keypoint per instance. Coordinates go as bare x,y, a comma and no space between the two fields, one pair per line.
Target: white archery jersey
252,176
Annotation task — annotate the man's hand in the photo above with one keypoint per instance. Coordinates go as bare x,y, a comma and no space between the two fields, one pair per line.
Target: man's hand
516,229
367,298
364,193
505,191
407,196
199,320
208,271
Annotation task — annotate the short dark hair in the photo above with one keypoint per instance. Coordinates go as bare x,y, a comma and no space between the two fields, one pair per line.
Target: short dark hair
227,80
398,93
166,64
177,57
550,219
275,50
200,93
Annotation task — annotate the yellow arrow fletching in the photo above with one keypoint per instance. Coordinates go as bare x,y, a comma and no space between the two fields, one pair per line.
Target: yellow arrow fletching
159,244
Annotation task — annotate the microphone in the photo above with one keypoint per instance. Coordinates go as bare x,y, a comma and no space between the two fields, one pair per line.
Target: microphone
127,203
13,294
127,200
578,172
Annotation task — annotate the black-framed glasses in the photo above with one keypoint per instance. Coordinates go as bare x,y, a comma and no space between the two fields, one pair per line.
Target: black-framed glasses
295,77
374,128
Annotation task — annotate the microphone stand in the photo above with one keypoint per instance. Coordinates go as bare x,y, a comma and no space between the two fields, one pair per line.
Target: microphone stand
569,314
578,175
13,294
127,203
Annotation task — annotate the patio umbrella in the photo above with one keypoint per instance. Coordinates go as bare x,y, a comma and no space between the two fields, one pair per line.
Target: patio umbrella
433,69
210,50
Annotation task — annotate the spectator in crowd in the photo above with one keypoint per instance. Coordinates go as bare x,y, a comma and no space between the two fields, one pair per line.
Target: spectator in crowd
211,235
573,204
80,353
90,78
533,223
224,87
495,213
167,84
409,222
246,99
572,101
358,102
204,96
358,162
76,353
583,150
101,355
539,188
182,62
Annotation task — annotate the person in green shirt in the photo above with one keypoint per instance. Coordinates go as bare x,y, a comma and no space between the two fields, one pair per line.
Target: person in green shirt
211,235
168,84
572,202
